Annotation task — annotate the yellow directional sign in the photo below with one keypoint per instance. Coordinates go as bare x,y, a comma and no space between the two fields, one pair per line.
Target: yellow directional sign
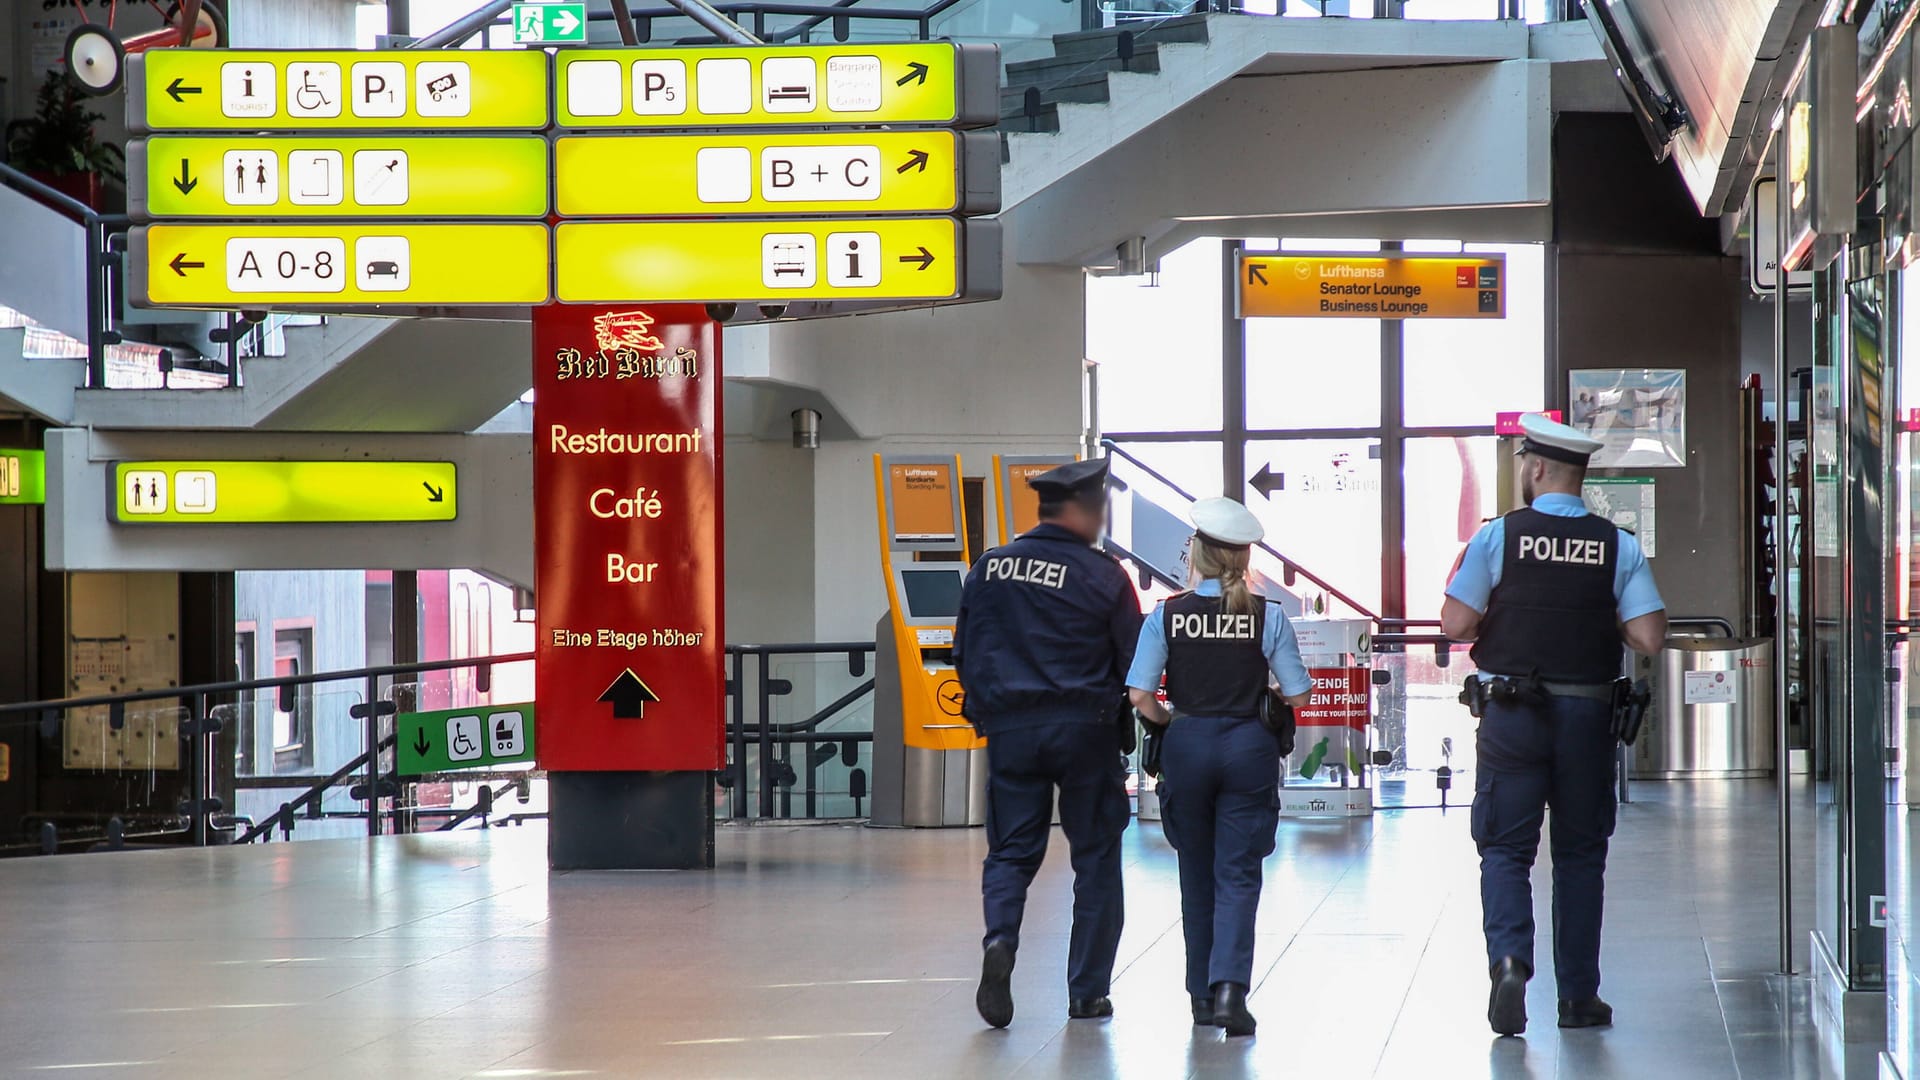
808,85
348,265
283,492
878,172
226,176
1388,286
339,90
759,261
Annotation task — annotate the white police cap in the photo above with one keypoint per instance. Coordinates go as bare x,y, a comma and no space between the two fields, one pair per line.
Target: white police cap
1227,522
1555,441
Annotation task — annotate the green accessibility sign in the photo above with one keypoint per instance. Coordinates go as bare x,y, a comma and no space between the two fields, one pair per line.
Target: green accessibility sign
549,24
23,477
472,738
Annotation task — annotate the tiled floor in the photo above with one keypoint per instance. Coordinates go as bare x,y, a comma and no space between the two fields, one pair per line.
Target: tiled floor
839,951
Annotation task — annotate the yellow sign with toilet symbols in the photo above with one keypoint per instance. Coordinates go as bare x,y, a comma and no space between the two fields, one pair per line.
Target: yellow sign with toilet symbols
227,176
283,492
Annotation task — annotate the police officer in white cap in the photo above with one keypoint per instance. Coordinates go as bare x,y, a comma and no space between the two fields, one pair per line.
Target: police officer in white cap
1548,594
1219,646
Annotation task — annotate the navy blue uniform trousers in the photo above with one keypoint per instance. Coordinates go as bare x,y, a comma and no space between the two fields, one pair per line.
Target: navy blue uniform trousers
1533,756
1219,806
1024,766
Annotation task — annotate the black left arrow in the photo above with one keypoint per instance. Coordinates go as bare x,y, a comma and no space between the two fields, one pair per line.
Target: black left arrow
186,183
434,494
420,743
925,258
1266,481
628,696
1256,272
916,159
177,88
916,72
181,264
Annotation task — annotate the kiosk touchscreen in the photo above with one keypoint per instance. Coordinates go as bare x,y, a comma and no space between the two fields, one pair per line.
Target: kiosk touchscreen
1018,504
929,765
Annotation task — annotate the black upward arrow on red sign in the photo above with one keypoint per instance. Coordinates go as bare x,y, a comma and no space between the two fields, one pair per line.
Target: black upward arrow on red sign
628,696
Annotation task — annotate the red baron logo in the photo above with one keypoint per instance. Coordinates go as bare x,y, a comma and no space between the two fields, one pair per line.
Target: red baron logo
625,330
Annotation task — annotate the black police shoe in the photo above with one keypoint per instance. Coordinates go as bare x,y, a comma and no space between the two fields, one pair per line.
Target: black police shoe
1230,1009
994,999
1203,1012
1089,1008
1507,1004
1585,1013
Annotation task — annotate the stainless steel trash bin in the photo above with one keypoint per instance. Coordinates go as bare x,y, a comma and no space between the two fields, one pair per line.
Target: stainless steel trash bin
1712,715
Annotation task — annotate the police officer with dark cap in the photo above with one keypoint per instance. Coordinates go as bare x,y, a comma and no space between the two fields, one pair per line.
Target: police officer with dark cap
1548,594
1046,630
1219,645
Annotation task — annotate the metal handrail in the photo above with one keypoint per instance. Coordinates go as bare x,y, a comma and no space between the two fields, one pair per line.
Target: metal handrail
1115,448
241,686
97,225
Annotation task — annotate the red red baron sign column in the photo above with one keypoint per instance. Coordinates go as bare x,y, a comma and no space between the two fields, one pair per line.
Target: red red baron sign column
630,673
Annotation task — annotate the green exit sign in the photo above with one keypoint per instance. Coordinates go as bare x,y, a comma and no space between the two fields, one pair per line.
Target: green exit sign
549,24
23,477
473,738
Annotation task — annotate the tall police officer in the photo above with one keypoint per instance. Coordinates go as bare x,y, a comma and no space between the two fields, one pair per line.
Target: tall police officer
1046,631
1219,804
1548,593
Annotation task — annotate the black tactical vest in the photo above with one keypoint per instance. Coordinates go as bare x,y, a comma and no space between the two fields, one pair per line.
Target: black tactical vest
1215,663
1554,613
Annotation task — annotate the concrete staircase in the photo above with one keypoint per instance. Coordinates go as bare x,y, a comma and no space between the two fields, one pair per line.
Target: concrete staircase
1078,69
1103,87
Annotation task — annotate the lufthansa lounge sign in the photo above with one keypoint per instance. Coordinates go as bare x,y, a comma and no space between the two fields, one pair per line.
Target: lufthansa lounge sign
1386,286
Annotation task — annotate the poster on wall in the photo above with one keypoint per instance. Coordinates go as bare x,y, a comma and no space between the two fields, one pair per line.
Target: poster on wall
1627,501
1639,416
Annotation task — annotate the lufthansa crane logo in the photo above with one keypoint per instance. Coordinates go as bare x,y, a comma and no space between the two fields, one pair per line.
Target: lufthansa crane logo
952,698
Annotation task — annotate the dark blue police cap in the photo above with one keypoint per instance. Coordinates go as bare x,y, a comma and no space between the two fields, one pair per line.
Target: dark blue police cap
1076,479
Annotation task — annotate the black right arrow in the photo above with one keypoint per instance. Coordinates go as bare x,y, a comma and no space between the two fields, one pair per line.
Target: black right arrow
175,89
1266,481
181,265
420,743
1256,272
916,72
628,696
434,494
916,159
925,258
186,183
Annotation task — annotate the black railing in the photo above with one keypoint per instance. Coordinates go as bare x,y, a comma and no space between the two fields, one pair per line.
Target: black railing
774,742
201,816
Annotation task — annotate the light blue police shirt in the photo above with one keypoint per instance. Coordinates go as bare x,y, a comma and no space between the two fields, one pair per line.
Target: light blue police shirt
1277,642
1479,570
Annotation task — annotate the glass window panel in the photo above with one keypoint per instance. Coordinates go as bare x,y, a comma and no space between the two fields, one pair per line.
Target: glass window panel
1449,491
1313,373
1461,372
1323,512
1159,347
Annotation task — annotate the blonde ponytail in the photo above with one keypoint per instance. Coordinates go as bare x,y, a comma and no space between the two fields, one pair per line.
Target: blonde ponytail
1228,565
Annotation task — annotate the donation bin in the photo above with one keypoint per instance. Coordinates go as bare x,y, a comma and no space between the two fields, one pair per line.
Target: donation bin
1712,711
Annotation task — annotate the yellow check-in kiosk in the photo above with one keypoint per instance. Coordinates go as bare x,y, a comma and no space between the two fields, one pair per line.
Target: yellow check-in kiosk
1017,505
929,768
